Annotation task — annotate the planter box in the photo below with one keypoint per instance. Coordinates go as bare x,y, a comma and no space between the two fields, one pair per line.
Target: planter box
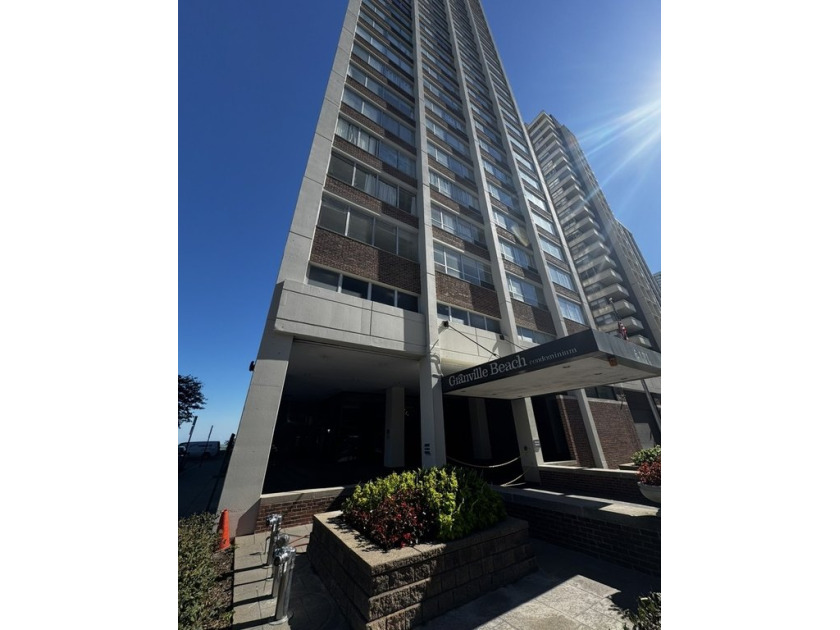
403,588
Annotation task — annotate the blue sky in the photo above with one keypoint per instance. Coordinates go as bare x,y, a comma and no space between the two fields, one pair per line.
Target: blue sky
251,78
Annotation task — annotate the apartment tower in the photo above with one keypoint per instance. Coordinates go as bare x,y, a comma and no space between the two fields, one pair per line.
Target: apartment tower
424,243
616,280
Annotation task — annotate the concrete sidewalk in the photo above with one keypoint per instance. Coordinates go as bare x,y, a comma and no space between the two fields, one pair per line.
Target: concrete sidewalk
570,591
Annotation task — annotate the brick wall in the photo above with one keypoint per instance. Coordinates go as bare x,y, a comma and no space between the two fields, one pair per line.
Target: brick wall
635,548
573,326
455,241
614,423
467,295
593,482
355,195
616,431
298,508
353,257
532,317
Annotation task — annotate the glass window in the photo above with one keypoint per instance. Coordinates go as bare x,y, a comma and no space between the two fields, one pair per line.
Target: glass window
360,228
459,315
561,277
407,302
570,310
341,169
407,245
354,286
383,295
332,218
385,237
323,278
550,248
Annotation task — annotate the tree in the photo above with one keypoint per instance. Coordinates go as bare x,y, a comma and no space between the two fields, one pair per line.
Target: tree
190,398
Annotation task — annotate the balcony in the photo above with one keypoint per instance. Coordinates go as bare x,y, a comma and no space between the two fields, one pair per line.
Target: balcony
616,291
597,248
585,224
575,209
604,278
623,308
641,340
585,237
601,264
632,324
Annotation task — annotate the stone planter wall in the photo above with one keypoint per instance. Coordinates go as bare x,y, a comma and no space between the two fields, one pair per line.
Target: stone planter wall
403,588
623,533
619,485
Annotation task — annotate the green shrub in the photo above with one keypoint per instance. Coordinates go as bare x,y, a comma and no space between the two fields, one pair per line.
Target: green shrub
203,601
423,505
648,613
647,455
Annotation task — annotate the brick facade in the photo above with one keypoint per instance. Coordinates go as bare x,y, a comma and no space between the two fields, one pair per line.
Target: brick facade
345,254
472,297
638,547
458,242
345,191
533,317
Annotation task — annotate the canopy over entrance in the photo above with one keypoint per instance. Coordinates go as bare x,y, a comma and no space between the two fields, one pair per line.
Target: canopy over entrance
584,359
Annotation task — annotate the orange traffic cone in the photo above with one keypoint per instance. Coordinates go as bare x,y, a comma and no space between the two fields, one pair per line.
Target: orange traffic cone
224,528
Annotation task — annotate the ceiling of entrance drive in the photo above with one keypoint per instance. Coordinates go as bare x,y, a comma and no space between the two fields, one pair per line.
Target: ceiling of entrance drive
318,371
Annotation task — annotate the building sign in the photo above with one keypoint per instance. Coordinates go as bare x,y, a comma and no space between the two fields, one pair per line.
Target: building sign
536,358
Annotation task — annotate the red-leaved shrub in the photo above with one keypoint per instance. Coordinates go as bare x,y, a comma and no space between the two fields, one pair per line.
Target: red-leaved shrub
650,473
398,521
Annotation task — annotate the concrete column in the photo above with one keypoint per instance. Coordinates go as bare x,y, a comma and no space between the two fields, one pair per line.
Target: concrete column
395,427
528,438
432,436
652,406
248,463
480,430
591,430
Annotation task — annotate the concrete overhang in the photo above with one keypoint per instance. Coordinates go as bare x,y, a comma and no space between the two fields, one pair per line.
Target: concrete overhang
584,359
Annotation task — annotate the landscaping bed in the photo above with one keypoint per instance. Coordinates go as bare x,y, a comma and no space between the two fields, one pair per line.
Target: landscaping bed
377,589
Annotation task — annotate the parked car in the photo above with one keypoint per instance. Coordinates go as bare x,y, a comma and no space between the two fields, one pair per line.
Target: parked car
202,449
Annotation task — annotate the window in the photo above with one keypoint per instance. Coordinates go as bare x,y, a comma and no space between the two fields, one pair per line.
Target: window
544,223
534,336
348,285
457,226
379,89
350,173
385,50
449,118
456,193
535,200
455,264
501,195
525,291
571,310
499,173
515,228
561,277
341,218
368,109
447,137
450,162
550,248
366,142
515,254
392,76
468,318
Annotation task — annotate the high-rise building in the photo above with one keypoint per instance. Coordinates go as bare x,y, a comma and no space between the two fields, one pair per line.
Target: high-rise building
423,259
616,280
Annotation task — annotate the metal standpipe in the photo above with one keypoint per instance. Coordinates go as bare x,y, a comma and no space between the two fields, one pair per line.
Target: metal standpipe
274,522
284,562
